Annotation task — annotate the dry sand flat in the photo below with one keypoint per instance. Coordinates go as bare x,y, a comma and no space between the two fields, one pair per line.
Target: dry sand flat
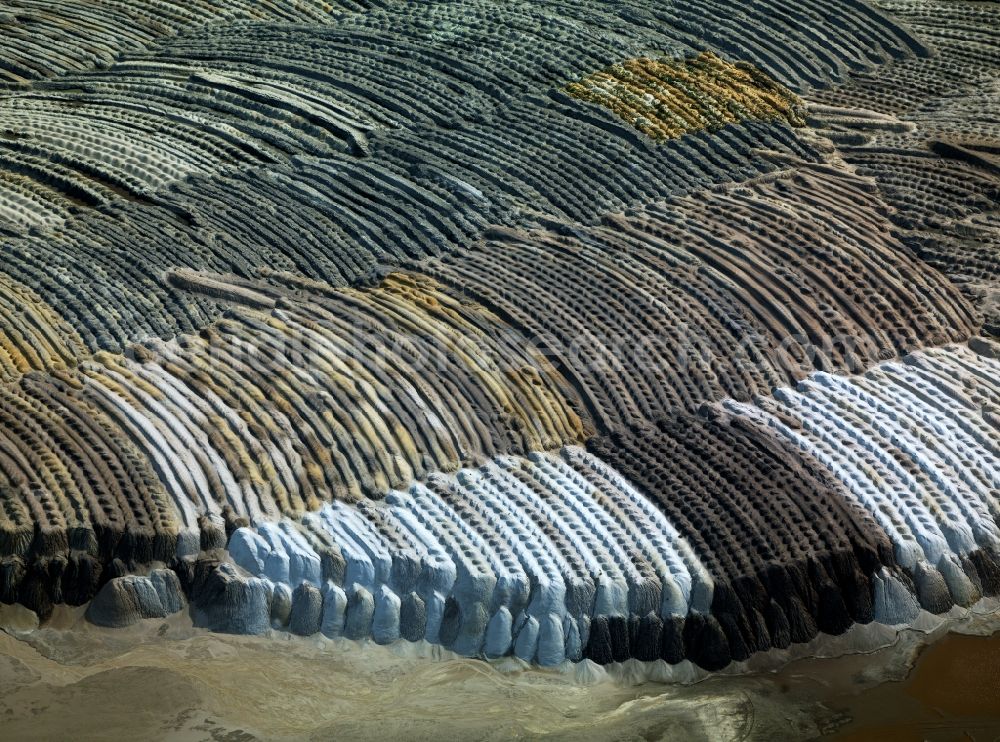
563,332
162,683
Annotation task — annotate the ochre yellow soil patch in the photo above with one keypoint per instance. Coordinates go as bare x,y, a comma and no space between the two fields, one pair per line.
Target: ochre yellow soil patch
666,99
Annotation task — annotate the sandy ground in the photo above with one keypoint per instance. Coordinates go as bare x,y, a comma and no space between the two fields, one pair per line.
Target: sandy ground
167,681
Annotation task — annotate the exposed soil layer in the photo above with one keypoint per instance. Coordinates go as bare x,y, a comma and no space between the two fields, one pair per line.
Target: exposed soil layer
665,99
546,331
926,131
724,293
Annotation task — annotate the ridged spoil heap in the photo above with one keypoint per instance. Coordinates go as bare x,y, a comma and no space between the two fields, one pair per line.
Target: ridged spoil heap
337,393
541,556
917,444
75,496
927,132
42,39
418,188
790,557
705,538
726,293
239,87
524,329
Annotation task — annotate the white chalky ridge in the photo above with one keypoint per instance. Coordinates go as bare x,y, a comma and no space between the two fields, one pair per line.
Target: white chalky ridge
517,556
911,444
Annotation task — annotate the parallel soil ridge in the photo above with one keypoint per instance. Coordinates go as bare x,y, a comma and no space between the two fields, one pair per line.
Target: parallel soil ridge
560,331
724,293
926,131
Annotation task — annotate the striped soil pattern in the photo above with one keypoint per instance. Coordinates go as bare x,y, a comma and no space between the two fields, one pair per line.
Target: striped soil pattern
567,331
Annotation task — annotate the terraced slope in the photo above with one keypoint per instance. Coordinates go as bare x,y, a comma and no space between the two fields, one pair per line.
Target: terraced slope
916,444
564,331
706,538
238,86
722,293
928,132
334,394
42,39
